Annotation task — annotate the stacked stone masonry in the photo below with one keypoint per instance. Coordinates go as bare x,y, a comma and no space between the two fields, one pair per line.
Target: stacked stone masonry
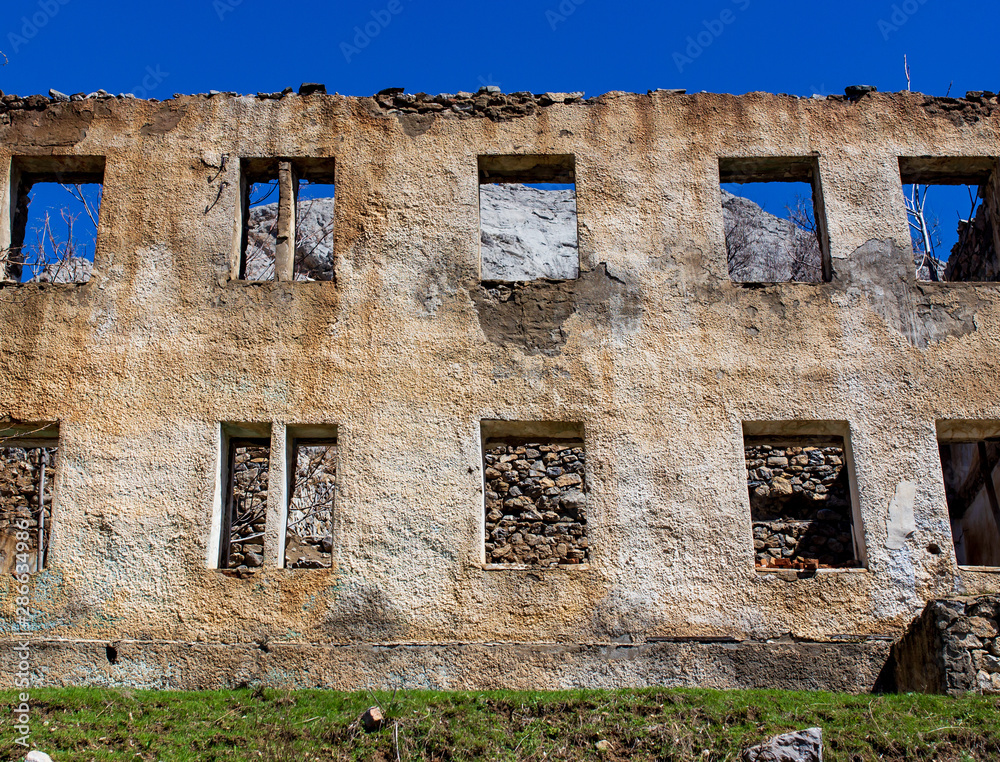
974,256
653,348
953,647
801,506
21,476
536,512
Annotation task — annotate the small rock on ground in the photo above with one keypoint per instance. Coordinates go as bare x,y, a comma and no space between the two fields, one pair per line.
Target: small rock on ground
801,746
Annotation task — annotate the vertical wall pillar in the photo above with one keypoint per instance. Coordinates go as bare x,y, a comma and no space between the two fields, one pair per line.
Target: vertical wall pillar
284,251
7,181
277,500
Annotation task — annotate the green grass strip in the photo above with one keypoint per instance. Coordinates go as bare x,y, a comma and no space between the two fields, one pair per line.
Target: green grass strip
650,724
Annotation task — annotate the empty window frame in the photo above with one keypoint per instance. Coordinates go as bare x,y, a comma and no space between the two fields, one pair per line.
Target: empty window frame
970,463
27,473
244,513
286,220
535,486
774,221
49,234
952,212
527,214
803,505
312,498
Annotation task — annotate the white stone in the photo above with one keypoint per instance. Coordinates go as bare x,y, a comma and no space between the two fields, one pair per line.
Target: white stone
528,233
801,746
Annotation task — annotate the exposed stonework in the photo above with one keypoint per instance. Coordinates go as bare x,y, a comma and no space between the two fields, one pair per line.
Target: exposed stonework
974,256
21,475
953,647
250,479
653,348
801,506
536,507
489,102
533,314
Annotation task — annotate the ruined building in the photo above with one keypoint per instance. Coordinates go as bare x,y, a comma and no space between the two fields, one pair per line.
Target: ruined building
345,399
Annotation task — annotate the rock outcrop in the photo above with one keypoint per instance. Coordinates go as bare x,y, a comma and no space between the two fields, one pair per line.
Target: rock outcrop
801,746
528,233
68,270
763,248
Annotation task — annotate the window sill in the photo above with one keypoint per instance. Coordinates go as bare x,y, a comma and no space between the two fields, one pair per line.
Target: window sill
532,568
808,573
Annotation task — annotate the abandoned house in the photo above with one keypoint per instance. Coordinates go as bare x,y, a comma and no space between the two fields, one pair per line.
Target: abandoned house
481,390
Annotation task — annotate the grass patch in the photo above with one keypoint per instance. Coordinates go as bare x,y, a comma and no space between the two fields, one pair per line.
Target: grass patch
81,724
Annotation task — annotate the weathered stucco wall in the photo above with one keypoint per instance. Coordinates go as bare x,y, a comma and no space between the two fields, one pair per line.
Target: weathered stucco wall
653,350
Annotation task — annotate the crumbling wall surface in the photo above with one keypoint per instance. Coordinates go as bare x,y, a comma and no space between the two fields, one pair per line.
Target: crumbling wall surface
952,647
653,349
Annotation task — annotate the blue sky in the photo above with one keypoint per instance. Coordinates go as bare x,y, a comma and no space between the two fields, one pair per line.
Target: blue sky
358,47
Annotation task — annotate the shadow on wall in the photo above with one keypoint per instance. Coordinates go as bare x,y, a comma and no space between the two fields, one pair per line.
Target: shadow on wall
364,613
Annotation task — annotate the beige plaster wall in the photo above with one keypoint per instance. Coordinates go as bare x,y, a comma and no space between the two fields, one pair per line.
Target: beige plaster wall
662,360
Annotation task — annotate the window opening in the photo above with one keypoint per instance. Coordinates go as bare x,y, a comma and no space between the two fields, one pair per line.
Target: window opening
972,481
288,220
951,209
528,218
27,474
773,220
800,503
245,514
54,219
312,504
535,495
